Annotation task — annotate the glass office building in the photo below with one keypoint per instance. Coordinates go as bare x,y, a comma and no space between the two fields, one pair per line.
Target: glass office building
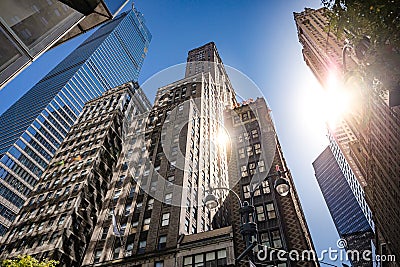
30,27
33,127
347,215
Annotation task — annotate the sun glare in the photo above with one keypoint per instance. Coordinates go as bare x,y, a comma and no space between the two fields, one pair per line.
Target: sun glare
329,104
222,137
337,101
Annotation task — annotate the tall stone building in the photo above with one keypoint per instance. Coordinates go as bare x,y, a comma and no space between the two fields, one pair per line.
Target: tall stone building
33,127
254,154
374,122
59,218
171,160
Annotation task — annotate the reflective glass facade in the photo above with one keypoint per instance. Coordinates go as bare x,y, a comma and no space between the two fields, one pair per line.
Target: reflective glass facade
342,204
30,27
32,129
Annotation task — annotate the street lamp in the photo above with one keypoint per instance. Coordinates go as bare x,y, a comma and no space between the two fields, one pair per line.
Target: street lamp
248,227
281,186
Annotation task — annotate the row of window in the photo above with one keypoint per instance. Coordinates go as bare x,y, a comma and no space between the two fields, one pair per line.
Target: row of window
246,136
35,145
208,259
26,161
57,193
14,182
56,182
18,170
84,136
46,209
29,228
251,168
249,151
242,117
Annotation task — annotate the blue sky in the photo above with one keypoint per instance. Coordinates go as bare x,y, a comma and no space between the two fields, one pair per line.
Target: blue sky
257,37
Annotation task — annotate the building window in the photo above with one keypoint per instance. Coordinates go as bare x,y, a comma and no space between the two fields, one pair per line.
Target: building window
249,150
187,261
104,233
209,259
42,240
159,264
150,204
116,252
221,257
61,221
199,260
265,239
97,255
162,242
260,213
265,187
127,209
165,219
276,239
270,211
243,170
146,224
129,248
252,167
257,148
254,133
187,223
246,191
142,246
117,193
257,191
123,227
168,198
261,166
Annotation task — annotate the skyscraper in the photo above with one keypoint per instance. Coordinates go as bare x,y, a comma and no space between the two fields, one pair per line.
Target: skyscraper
158,190
254,154
60,216
29,28
374,122
32,128
354,180
346,213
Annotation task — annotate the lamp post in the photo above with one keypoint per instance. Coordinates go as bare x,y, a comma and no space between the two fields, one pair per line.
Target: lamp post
248,227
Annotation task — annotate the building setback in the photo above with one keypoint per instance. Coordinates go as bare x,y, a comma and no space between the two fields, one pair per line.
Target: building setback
33,127
374,122
347,215
59,218
31,27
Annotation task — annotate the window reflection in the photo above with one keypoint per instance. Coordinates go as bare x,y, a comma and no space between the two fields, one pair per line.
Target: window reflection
8,51
32,21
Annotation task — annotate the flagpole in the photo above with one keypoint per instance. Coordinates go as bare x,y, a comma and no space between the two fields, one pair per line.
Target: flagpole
116,230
